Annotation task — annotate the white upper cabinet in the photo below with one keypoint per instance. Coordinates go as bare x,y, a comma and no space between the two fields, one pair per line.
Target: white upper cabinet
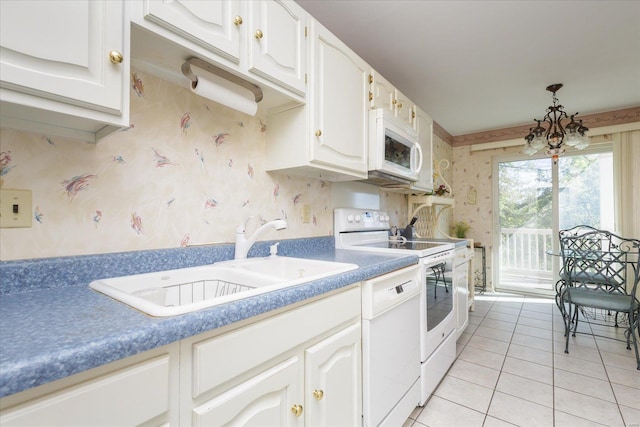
404,109
277,42
263,41
424,126
339,97
382,94
214,25
327,137
64,64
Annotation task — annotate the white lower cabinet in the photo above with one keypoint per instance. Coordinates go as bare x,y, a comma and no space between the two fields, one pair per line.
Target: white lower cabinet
333,383
262,400
140,390
461,261
300,367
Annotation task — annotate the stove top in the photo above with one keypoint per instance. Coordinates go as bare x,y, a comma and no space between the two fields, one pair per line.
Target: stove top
368,230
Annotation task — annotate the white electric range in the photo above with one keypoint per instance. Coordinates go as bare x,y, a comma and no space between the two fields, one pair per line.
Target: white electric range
369,231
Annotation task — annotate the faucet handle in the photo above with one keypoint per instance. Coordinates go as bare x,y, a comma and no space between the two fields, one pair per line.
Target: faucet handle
242,228
273,249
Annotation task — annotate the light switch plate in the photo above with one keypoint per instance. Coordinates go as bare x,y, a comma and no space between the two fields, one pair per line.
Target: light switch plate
15,208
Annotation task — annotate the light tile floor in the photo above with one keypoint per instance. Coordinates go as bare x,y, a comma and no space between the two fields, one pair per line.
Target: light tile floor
512,370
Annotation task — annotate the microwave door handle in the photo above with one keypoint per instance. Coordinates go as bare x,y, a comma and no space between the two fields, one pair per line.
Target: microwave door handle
420,154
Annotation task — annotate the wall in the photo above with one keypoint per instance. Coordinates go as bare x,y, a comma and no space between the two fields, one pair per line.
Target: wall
187,171
473,188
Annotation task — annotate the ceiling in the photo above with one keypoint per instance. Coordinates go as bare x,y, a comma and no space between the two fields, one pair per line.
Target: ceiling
482,65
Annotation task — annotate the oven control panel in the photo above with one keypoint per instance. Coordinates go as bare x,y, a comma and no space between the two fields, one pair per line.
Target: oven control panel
351,219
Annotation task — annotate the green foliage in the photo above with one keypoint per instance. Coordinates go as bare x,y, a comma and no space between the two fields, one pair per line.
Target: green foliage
525,192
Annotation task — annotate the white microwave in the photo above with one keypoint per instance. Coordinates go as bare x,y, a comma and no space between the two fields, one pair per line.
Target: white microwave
394,149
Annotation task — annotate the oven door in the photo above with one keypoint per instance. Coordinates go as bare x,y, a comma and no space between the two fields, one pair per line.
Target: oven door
437,317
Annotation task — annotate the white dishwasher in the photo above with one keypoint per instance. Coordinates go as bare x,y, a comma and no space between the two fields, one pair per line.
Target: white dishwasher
391,347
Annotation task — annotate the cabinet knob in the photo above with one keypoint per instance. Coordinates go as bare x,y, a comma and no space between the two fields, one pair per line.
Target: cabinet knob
296,410
258,34
115,57
237,20
318,132
370,96
399,104
318,394
394,102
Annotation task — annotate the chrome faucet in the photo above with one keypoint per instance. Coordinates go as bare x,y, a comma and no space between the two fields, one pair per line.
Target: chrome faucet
243,244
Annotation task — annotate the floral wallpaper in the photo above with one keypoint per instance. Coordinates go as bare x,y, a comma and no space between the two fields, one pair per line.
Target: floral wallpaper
473,188
187,171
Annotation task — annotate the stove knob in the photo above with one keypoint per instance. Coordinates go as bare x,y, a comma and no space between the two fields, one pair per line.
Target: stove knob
384,218
358,218
349,218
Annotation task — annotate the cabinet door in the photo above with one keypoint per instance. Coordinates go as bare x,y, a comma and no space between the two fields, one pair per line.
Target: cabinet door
264,400
60,51
340,98
404,109
382,93
461,284
277,42
424,126
134,395
332,380
210,24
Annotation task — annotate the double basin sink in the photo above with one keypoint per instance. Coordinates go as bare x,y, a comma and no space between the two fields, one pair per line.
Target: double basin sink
173,292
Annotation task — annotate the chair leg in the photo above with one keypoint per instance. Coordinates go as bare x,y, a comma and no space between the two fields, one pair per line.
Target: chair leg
575,320
634,324
567,329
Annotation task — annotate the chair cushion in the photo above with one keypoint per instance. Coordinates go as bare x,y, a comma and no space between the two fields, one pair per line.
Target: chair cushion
599,299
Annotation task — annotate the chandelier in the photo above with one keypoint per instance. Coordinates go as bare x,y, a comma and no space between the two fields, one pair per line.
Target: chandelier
553,137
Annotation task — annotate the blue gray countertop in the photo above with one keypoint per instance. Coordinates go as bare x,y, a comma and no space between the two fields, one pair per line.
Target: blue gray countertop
54,325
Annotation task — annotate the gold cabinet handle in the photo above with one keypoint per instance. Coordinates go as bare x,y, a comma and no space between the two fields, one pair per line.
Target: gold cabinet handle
318,132
258,34
370,96
318,394
115,57
399,104
237,20
394,102
296,410
413,114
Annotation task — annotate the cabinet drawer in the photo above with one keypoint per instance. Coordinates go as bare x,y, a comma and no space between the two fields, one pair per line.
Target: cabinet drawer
130,396
220,359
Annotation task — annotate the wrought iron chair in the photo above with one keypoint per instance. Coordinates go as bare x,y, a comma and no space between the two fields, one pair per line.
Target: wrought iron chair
600,270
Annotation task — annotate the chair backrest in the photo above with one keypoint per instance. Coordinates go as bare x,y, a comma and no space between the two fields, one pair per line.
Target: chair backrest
600,260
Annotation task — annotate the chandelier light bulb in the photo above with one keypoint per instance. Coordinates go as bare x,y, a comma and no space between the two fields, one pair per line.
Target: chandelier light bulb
538,143
573,139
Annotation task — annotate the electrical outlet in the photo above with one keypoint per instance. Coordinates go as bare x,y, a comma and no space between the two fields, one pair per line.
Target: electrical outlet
306,214
15,208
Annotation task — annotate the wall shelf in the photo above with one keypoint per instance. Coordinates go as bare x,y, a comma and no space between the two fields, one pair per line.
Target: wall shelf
428,213
431,200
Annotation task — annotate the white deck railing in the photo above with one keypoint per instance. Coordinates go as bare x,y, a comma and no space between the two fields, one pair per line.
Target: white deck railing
523,252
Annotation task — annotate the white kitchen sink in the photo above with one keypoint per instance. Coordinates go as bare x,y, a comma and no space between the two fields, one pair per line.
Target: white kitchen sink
172,292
